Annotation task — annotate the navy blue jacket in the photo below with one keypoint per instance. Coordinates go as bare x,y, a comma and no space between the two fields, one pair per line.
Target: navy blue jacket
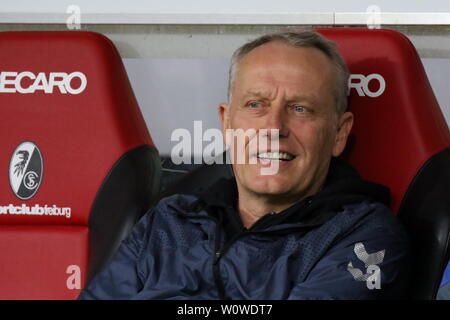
342,243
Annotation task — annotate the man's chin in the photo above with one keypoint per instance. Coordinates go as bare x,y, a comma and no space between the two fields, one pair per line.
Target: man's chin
270,185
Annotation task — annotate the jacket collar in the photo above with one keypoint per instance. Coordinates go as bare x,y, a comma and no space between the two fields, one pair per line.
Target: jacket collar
343,185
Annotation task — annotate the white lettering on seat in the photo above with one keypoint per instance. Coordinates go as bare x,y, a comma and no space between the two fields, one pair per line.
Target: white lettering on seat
360,83
12,82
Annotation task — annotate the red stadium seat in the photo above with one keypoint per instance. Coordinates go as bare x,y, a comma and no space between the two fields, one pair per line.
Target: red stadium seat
78,164
398,122
400,138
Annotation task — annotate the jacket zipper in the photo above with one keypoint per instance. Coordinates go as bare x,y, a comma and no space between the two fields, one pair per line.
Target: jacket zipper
217,255
216,264
220,252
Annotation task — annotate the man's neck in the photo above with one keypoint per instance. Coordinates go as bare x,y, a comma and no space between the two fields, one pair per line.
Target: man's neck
253,207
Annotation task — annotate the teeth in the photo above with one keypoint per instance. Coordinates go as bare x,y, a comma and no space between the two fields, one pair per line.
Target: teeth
276,156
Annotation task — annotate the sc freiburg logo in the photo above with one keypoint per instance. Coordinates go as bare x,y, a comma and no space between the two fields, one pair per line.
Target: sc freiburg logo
25,170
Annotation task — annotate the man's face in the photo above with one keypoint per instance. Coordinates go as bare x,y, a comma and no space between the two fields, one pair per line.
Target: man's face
277,86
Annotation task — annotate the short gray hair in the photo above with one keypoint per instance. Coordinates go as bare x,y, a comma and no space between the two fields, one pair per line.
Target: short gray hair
301,39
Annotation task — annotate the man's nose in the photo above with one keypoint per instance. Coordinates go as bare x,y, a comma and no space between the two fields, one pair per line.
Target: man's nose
277,119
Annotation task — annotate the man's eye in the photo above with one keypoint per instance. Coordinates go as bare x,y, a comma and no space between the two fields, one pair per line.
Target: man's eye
254,105
300,109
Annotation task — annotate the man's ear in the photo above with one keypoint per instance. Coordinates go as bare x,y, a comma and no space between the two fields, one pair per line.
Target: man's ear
345,124
224,115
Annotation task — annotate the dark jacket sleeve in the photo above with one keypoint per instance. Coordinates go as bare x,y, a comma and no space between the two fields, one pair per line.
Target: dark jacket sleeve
121,278
371,262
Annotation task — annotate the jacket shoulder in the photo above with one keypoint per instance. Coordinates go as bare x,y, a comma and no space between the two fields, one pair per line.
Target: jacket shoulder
177,202
376,220
369,259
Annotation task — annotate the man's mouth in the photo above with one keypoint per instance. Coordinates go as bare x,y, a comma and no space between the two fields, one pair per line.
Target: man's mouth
277,156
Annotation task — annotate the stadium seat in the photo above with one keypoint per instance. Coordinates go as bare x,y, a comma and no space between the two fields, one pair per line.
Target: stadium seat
400,139
78,164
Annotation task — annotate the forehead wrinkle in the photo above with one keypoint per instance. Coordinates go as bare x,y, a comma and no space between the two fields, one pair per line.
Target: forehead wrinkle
272,85
263,94
302,97
294,97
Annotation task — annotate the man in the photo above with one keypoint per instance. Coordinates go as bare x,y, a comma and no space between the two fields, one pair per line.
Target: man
313,229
